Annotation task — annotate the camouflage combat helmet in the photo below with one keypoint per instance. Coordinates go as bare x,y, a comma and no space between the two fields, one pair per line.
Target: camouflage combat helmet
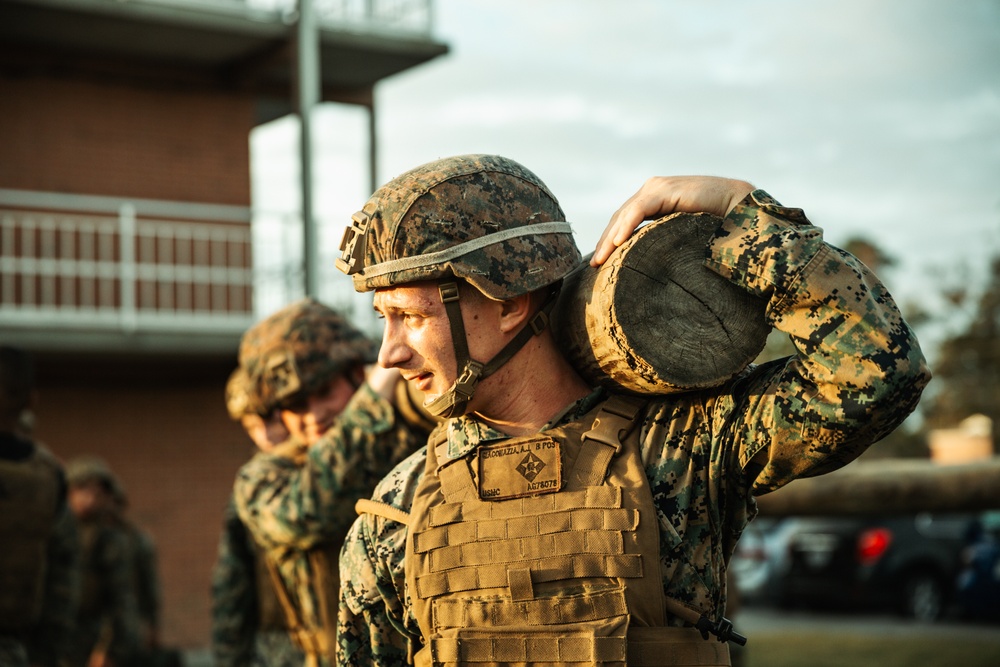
294,353
238,403
481,218
484,218
85,469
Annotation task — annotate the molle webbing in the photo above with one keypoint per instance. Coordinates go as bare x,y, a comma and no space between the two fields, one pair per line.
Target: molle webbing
596,508
468,612
551,578
674,647
506,650
644,647
541,570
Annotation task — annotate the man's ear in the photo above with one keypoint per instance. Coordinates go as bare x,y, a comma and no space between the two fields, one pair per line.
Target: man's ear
514,312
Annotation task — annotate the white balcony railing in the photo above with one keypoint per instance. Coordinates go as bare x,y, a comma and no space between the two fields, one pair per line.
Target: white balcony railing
133,265
398,17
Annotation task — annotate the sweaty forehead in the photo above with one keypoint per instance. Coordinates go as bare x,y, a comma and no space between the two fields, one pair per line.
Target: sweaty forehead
423,296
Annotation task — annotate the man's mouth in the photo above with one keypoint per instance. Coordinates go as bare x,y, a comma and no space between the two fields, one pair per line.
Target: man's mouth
421,381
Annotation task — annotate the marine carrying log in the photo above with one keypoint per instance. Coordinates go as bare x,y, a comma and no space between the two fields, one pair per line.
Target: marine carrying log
654,319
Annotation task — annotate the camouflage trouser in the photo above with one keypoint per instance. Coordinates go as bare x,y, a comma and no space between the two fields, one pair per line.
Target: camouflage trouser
274,648
12,653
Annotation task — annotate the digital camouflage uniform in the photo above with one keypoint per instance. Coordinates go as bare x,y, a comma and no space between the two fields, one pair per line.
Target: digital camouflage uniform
108,618
248,625
48,644
857,374
240,638
297,501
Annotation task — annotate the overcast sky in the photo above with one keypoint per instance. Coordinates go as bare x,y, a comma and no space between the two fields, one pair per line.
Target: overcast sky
880,118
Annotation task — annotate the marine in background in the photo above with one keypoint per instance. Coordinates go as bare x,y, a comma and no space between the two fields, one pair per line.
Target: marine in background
106,632
347,427
145,581
40,557
249,627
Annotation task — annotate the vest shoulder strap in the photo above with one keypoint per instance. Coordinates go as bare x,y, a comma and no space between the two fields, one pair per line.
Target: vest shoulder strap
384,510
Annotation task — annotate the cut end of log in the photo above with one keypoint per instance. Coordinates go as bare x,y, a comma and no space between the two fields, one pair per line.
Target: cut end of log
654,319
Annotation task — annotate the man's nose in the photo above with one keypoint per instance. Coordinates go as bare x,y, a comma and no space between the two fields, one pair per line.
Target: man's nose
392,353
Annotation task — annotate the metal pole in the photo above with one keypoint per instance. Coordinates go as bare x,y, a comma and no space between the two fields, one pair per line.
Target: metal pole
308,77
372,148
129,272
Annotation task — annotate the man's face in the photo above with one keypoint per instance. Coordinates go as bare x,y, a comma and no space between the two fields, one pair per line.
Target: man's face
313,416
89,499
417,338
266,432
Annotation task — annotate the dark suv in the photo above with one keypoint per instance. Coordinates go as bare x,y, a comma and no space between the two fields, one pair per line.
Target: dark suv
906,563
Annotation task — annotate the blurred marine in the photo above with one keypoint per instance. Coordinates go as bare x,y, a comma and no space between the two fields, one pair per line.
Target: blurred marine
344,429
39,556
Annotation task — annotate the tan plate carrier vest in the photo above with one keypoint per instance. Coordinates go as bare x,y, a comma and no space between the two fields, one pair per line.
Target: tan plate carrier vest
27,516
570,577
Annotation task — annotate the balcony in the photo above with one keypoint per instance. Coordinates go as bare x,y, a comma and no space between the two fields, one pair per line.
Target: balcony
109,274
143,276
237,45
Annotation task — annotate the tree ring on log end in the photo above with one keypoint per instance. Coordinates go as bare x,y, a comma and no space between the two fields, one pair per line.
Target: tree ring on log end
654,319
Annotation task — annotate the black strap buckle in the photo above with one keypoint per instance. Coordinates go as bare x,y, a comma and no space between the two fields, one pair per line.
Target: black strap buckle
448,292
723,630
466,384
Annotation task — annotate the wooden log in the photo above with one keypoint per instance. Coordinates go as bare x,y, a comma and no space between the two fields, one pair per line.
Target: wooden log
890,486
654,319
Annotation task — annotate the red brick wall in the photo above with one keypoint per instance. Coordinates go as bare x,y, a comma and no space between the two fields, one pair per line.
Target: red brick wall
176,452
160,423
92,138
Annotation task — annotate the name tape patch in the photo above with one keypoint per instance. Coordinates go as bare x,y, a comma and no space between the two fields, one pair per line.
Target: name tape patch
519,467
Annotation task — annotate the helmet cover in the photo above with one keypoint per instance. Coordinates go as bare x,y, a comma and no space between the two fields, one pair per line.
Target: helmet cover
294,353
478,200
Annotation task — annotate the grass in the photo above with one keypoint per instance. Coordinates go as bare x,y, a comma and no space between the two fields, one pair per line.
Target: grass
837,650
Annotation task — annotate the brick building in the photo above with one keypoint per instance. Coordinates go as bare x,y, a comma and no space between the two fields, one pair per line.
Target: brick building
125,246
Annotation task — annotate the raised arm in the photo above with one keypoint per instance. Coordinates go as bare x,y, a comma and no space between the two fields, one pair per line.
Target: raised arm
662,195
301,498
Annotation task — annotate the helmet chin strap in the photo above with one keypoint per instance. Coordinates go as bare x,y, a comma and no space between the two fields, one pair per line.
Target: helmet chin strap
454,402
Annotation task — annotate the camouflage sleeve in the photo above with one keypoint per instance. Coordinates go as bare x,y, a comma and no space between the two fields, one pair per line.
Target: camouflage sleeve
49,642
147,579
118,576
234,595
367,629
858,371
285,504
373,627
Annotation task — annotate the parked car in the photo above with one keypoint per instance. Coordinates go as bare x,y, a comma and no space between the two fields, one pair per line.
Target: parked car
977,591
761,559
905,563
